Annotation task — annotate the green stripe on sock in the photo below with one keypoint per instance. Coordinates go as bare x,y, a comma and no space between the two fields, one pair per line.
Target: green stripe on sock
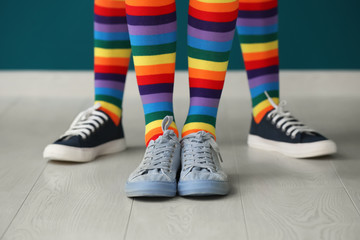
201,118
109,99
258,38
153,49
258,99
112,44
208,55
150,117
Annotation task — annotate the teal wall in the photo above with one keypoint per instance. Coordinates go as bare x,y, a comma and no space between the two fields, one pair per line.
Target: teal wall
43,34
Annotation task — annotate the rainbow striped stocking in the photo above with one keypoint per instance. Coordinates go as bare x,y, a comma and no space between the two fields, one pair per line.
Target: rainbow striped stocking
152,28
211,26
257,27
112,53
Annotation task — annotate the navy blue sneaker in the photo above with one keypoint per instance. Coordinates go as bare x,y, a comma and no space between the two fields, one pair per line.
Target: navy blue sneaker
280,132
91,134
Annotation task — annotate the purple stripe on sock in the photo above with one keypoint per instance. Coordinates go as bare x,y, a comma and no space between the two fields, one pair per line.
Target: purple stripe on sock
109,20
152,30
156,88
205,102
258,14
109,84
214,36
204,92
257,81
151,20
211,26
158,97
110,27
262,71
257,22
110,76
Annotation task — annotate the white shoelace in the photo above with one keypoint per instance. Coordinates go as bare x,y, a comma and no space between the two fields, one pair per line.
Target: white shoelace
197,152
86,122
284,121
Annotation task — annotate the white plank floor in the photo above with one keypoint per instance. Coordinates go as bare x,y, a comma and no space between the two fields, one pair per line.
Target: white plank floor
272,197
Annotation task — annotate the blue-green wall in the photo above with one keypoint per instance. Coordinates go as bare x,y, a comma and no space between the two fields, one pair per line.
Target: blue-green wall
43,34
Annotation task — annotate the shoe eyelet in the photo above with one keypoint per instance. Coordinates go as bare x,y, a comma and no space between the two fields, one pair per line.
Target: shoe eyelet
268,117
273,122
287,134
292,137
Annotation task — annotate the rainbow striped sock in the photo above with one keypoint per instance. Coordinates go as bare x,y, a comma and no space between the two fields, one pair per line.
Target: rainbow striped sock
112,53
152,28
211,27
257,27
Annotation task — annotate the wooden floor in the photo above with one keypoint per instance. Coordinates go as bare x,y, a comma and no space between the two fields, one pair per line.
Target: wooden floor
272,196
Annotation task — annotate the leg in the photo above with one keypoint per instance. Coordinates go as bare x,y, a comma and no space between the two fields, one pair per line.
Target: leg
211,29
272,128
257,27
152,28
112,53
98,130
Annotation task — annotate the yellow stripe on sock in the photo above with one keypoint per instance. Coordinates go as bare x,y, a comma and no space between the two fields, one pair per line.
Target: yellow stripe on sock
120,53
156,124
264,104
259,47
199,125
111,107
155,59
207,65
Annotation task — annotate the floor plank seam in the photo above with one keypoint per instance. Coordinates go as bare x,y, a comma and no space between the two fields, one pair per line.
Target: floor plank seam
344,186
238,179
128,221
22,204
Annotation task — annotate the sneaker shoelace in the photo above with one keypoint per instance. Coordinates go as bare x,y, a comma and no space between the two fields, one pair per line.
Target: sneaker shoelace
159,153
197,152
86,122
284,121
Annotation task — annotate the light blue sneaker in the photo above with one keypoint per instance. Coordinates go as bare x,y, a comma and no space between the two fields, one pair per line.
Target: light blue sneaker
201,172
156,174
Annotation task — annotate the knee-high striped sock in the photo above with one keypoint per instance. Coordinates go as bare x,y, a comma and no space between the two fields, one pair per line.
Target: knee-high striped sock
112,53
152,28
257,27
211,27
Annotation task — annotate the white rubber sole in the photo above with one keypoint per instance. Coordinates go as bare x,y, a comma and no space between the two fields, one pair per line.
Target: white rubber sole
298,150
73,154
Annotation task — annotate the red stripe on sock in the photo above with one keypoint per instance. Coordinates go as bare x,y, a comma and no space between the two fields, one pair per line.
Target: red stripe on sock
155,79
208,84
250,65
150,11
212,16
257,6
109,12
110,69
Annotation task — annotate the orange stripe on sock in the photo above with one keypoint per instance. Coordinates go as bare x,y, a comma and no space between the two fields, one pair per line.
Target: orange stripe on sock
115,118
260,55
261,114
157,69
148,3
110,3
206,74
156,132
112,61
215,7
195,131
